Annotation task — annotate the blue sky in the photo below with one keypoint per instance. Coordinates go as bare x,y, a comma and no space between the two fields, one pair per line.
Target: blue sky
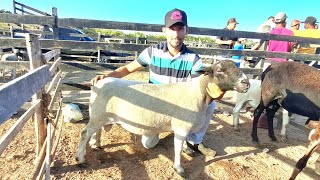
207,13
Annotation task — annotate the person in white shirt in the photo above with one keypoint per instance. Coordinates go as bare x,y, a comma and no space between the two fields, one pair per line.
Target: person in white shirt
262,29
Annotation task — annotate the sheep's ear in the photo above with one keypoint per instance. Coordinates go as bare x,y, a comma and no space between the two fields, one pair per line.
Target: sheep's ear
207,69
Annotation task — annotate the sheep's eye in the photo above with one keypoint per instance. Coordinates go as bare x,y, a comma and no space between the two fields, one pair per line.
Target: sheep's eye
219,72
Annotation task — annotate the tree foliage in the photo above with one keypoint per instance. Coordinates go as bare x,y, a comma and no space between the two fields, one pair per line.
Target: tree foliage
116,33
4,11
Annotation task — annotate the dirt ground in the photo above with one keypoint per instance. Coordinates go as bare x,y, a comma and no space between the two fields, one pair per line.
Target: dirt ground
123,157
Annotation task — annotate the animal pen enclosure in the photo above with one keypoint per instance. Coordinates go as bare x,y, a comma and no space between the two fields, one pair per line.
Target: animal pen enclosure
17,92
70,83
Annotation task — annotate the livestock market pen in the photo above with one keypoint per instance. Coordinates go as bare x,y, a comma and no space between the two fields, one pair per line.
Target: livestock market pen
121,155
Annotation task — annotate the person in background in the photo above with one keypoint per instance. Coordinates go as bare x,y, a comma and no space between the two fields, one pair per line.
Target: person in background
263,28
295,25
237,59
310,29
228,42
279,46
276,46
171,61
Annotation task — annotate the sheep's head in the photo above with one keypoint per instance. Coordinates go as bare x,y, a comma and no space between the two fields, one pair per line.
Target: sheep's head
228,76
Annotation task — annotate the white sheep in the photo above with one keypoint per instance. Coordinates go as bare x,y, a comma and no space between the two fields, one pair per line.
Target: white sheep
252,97
16,55
150,109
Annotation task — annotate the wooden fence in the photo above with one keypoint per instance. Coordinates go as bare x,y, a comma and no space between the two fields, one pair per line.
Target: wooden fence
35,80
32,84
51,21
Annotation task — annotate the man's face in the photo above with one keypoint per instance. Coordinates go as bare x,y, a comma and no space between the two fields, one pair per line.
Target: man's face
232,26
272,19
175,34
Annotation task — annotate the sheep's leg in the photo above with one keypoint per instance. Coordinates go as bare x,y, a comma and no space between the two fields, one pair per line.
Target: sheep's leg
186,149
257,113
85,135
13,74
317,166
3,72
285,122
150,141
87,132
178,142
301,164
95,140
271,111
236,111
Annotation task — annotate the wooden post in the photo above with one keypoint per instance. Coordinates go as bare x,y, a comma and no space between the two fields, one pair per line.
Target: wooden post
99,55
48,153
99,37
99,51
11,31
14,7
35,57
136,52
55,25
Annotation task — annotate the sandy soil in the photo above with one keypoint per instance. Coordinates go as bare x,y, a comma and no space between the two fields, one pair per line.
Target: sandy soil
123,157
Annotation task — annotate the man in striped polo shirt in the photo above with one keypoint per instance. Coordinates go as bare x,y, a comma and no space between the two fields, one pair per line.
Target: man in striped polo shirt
169,62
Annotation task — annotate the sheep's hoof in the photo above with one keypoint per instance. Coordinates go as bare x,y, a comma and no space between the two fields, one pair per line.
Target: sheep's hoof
255,141
83,165
180,171
284,139
273,139
95,147
189,152
236,129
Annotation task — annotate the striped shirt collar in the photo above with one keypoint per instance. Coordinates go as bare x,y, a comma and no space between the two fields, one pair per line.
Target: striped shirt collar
164,46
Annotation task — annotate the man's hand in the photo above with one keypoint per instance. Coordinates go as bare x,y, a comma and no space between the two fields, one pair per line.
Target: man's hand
214,91
96,79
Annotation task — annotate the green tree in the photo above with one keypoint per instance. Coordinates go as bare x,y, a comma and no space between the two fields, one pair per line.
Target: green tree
4,11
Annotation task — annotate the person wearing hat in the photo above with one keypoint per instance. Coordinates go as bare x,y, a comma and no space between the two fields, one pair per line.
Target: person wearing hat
310,29
276,46
228,42
165,59
279,46
260,44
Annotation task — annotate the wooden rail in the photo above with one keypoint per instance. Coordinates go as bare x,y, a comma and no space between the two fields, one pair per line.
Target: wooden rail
23,11
32,85
73,22
94,46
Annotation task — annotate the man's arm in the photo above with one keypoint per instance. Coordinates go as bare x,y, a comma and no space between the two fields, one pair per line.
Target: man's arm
219,41
119,72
